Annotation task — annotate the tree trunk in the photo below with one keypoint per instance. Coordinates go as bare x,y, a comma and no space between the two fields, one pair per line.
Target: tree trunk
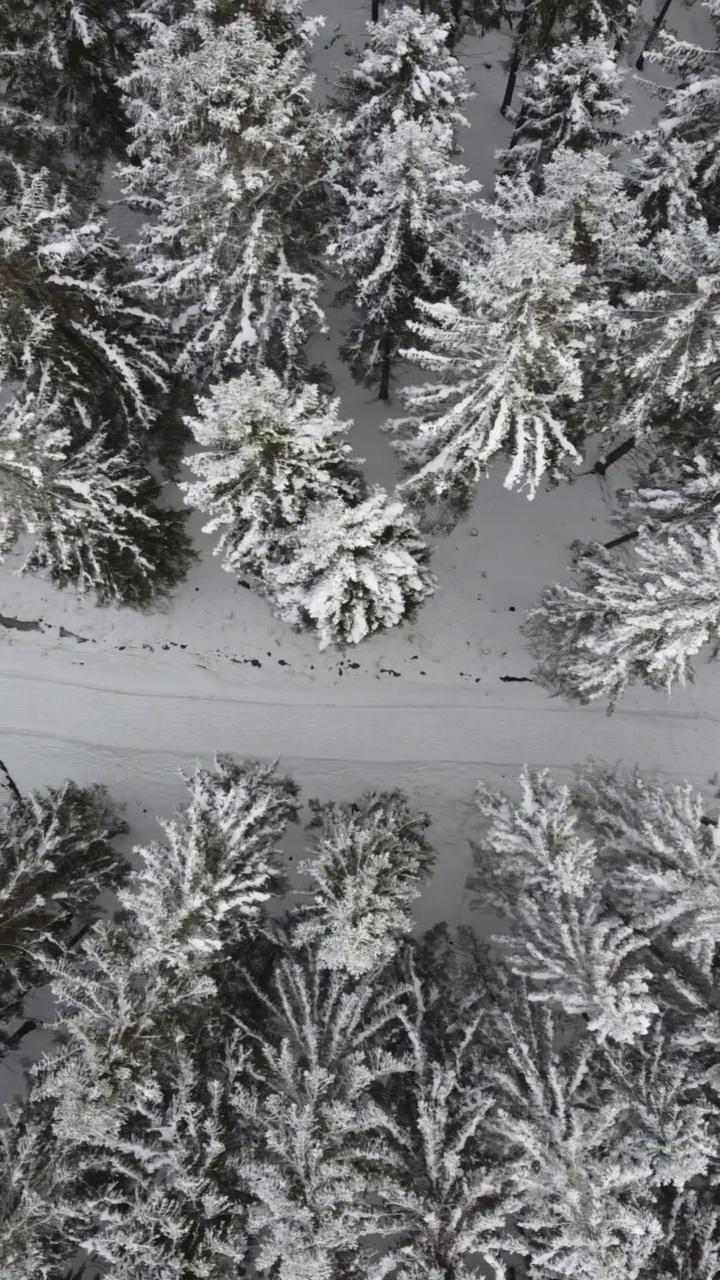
623,35
653,32
375,11
12,786
523,25
8,1044
454,24
385,368
624,537
15,1006
614,456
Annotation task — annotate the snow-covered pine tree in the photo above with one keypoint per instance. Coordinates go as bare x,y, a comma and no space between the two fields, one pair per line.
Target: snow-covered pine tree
63,58
630,617
405,72
283,23
87,515
136,1102
56,858
537,871
573,98
295,513
351,570
510,356
660,338
400,238
543,24
606,1139
315,1135
677,172
443,1197
229,156
67,302
367,861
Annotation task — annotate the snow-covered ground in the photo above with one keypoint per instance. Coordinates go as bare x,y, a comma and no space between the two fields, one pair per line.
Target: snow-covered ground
127,699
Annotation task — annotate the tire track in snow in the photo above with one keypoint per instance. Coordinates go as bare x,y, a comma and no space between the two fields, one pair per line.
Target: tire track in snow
305,699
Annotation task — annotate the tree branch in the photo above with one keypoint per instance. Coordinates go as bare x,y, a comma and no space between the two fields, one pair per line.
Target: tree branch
11,784
624,537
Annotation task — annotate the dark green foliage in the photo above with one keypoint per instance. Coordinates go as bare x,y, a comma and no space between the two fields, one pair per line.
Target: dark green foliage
56,857
67,302
62,59
141,558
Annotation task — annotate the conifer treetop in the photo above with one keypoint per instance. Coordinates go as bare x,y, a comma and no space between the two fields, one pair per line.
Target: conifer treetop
574,97
634,618
229,154
510,356
84,512
204,887
405,72
354,570
368,861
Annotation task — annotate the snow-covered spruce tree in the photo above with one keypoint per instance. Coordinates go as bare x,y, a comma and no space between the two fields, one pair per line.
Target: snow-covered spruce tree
543,24
367,1124
275,453
56,857
87,515
67,302
200,893
353,570
63,58
136,1102
367,862
642,613
229,156
295,513
400,238
510,357
443,1197
638,617
607,1122
537,870
663,327
468,16
283,23
574,1153
668,491
405,72
651,375
315,1137
584,206
677,172
573,98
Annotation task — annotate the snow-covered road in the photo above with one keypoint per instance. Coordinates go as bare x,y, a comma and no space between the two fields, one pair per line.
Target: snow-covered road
145,713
